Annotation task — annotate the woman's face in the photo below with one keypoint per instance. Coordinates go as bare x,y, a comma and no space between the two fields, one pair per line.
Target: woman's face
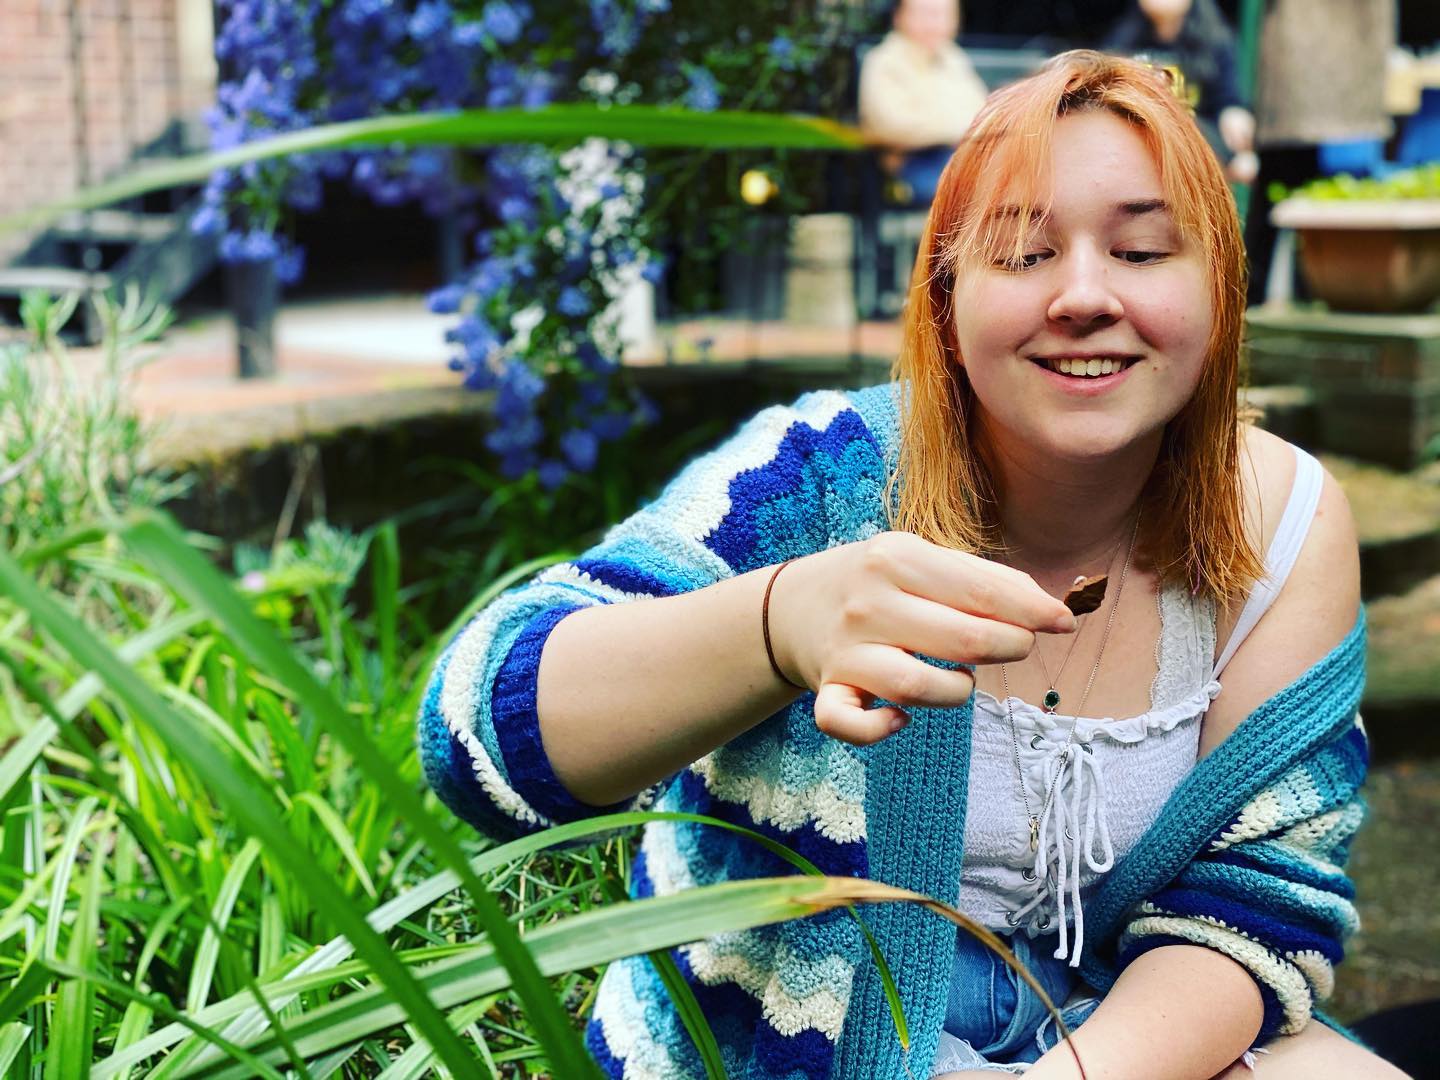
1087,346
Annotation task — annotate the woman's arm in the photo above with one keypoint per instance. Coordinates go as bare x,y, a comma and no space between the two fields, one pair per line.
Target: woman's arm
629,693
1181,1012
604,676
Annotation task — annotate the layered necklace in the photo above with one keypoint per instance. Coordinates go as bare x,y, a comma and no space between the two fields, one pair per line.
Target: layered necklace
1089,591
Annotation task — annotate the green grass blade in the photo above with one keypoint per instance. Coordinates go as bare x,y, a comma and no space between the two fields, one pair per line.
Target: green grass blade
248,804
12,1038
20,757
331,823
208,953
385,591
587,940
248,1021
158,543
64,860
416,1060
158,1004
560,124
692,1017
23,991
90,534
72,1030
690,1013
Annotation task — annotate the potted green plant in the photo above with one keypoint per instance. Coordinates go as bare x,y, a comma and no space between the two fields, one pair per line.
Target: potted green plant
1369,244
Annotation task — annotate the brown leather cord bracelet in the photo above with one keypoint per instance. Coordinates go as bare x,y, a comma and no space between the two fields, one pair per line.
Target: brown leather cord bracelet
765,629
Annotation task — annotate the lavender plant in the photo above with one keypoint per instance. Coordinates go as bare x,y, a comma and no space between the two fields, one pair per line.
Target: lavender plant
558,235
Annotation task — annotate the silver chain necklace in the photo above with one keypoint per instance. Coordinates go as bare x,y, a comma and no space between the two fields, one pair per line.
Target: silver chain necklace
1052,699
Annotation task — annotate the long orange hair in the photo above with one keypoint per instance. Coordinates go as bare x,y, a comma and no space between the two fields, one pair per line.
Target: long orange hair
944,489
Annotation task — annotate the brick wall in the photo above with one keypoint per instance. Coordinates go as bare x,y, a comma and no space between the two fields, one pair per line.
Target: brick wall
141,64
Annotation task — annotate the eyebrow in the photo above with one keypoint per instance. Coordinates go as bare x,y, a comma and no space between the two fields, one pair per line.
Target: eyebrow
1130,208
1137,207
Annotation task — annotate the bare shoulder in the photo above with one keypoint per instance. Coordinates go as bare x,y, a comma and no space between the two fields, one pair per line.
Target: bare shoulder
1330,552
1267,471
1318,602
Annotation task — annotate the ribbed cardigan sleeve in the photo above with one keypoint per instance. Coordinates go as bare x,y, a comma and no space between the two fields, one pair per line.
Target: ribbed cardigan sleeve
1269,889
747,504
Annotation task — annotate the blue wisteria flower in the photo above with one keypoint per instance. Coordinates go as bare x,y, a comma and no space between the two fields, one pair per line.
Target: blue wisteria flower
558,234
573,302
703,94
503,21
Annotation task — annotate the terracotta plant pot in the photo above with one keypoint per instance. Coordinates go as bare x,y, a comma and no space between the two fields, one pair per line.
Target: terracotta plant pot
1367,255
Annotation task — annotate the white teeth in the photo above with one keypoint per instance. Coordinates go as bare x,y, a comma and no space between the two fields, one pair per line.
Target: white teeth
1092,367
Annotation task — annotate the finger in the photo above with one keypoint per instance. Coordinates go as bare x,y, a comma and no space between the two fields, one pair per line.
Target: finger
971,584
895,675
916,624
840,712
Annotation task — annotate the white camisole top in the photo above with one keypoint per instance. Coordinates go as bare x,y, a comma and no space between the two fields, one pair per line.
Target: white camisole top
1115,775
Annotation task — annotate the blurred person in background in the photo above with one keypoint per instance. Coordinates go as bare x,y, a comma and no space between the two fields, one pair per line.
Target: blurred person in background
918,94
1320,78
1192,37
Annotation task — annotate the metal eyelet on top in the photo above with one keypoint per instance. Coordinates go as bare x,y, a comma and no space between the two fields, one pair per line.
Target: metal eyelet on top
1087,748
1013,918
1044,923
1069,835
1035,742
1028,874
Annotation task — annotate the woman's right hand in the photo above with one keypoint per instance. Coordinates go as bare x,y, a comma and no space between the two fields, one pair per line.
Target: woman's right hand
847,622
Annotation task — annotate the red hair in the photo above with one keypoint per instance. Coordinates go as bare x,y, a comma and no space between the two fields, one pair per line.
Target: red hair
944,489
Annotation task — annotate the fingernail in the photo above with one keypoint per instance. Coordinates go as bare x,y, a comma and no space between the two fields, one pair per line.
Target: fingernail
897,723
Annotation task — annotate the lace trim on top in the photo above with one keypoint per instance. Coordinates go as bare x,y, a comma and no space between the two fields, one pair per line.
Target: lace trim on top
1184,654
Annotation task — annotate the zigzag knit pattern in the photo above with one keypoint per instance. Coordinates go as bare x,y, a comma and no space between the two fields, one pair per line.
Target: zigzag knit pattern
802,999
1270,890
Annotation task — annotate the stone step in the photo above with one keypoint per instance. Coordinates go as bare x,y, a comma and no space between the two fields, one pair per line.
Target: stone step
1402,687
115,226
1397,516
1288,411
15,280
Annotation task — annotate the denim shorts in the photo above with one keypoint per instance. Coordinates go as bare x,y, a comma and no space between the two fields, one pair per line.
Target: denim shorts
993,1020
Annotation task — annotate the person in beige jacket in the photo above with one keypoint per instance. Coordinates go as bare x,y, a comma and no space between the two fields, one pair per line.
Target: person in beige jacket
918,93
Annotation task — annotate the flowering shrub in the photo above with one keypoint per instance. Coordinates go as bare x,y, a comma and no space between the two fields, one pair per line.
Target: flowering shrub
558,235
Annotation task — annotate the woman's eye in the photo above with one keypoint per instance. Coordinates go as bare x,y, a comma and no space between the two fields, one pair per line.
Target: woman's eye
1140,258
1028,261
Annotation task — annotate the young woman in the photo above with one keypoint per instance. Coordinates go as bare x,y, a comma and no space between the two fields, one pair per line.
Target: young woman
843,627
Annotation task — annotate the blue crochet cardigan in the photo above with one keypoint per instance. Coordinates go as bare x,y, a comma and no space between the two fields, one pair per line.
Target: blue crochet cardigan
1246,857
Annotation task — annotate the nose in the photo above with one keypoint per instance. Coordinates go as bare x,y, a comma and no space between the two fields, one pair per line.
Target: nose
1085,297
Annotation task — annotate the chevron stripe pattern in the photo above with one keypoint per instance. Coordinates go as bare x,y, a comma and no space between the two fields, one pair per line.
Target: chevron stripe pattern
1270,889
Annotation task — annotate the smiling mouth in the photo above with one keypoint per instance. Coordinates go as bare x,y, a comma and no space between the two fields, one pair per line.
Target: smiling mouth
1083,367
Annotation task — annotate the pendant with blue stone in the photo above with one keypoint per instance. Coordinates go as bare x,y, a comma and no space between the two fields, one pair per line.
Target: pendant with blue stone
1052,699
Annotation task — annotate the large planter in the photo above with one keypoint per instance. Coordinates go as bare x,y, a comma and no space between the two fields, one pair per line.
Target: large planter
1367,255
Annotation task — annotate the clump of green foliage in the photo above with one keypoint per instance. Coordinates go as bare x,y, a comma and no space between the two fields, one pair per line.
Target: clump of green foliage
70,446
1421,182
